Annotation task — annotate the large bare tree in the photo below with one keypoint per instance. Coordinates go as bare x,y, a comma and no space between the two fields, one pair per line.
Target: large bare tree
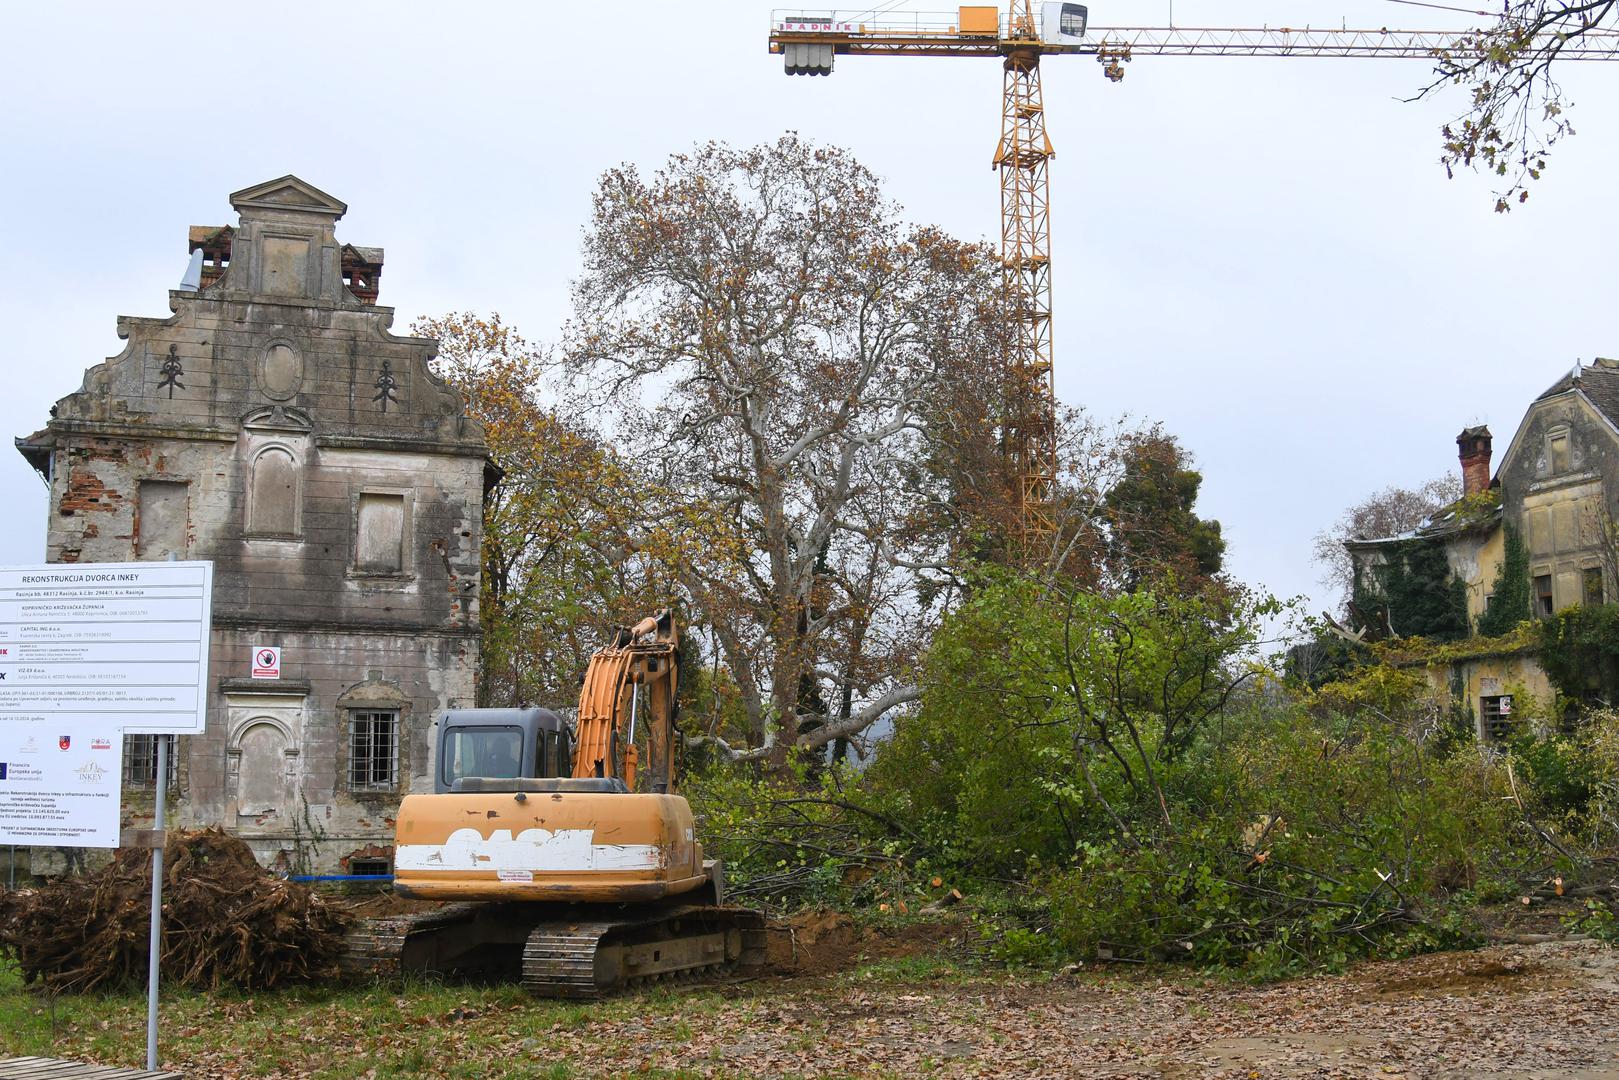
772,342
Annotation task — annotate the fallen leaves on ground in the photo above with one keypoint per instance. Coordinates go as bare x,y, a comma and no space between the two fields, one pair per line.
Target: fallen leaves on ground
1548,1011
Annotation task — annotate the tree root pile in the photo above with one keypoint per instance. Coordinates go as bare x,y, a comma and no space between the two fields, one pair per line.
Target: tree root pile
225,921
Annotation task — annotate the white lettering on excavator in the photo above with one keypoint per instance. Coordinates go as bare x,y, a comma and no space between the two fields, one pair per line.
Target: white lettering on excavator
535,850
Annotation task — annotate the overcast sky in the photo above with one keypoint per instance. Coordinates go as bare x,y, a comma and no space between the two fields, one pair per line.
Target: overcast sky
1260,253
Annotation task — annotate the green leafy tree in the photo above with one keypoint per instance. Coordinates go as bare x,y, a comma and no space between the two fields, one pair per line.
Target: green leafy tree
1154,533
1048,719
984,766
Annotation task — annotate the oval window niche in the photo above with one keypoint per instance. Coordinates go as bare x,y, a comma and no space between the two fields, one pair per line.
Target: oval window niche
281,372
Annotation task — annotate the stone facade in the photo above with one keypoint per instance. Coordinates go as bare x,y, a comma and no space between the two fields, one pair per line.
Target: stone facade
275,426
1558,487
1560,482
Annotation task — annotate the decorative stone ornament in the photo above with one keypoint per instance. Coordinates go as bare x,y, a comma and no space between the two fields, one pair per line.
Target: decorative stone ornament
281,371
171,371
384,386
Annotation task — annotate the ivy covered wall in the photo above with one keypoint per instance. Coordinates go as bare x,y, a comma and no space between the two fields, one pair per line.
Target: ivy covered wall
1424,598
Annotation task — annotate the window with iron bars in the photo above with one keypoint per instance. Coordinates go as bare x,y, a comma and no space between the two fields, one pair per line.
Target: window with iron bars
374,750
1497,716
140,762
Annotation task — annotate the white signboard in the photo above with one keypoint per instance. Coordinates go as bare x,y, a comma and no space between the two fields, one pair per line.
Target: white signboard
95,647
59,787
266,662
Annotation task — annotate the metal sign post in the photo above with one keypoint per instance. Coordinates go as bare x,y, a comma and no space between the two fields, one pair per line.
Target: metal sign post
154,947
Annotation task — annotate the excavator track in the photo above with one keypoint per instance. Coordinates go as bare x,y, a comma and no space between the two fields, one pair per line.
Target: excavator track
591,959
376,947
595,952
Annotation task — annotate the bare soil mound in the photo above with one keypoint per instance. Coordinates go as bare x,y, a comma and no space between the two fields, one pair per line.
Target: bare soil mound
225,920
823,942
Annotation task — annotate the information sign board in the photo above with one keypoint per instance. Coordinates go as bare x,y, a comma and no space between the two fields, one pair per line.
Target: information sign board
59,788
94,647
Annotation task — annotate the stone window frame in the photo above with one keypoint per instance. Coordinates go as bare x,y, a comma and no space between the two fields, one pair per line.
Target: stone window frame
1565,432
313,259
1535,595
376,693
136,540
407,552
291,750
291,451
1587,568
1495,724
371,714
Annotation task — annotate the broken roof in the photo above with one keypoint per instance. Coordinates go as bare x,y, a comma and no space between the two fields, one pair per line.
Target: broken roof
1598,382
36,449
1480,512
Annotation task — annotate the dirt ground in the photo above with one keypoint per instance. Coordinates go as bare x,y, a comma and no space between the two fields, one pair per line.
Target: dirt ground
844,999
1541,1011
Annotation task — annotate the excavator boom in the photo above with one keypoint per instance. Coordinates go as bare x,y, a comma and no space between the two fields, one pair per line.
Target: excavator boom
642,659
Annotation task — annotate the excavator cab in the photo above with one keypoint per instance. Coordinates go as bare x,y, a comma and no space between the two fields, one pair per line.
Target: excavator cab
490,746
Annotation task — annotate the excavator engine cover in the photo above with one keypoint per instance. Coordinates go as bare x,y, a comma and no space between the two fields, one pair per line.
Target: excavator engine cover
564,844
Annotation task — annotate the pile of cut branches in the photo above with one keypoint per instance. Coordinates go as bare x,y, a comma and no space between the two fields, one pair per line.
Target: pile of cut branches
225,921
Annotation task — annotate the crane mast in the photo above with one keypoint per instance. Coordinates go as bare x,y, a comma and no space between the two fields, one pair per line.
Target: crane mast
1022,158
810,41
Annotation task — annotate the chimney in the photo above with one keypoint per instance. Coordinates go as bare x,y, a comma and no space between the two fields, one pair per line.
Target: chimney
214,241
1473,448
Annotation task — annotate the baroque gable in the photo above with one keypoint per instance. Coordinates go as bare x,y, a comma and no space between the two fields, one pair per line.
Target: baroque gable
286,319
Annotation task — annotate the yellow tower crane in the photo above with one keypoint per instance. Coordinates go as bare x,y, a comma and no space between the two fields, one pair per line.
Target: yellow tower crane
809,41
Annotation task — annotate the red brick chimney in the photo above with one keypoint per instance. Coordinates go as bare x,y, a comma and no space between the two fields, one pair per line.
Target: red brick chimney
1473,447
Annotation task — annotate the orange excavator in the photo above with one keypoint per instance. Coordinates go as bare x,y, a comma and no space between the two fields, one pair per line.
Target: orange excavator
563,860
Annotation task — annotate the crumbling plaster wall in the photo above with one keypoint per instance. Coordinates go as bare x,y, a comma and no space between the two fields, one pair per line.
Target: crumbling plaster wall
1559,505
1475,558
281,430
1468,681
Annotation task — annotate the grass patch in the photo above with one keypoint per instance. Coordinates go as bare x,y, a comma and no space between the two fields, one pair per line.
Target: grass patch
919,967
394,1028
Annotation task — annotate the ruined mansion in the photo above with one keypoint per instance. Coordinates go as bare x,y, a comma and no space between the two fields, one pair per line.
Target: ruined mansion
274,425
